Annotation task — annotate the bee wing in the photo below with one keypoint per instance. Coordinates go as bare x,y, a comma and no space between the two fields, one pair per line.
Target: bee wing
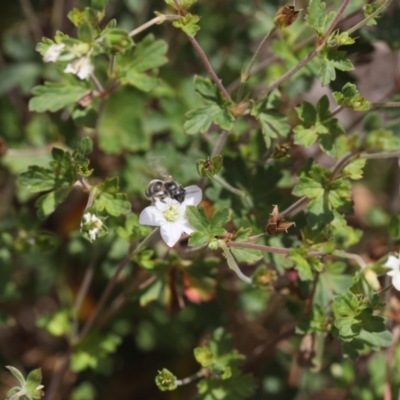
193,195
156,163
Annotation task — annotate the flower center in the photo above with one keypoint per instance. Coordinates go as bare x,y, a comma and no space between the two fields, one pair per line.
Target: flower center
171,214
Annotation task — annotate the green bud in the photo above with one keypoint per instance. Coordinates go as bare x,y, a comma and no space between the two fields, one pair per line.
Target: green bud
117,40
213,245
165,380
85,145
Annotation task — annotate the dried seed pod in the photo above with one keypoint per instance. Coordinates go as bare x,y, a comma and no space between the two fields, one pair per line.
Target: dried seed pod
285,17
276,224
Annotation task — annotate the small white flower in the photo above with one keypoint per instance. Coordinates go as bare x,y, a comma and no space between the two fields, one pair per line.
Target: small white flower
82,67
170,215
394,264
53,52
92,224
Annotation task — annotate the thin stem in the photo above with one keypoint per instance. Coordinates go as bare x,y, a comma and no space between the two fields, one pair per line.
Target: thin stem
111,66
233,190
97,83
52,388
340,165
269,249
274,58
209,68
203,57
304,200
31,19
247,73
84,184
198,375
310,56
223,136
121,299
373,15
110,286
87,279
388,104
310,298
298,204
232,262
291,72
336,111
358,259
57,13
392,154
157,20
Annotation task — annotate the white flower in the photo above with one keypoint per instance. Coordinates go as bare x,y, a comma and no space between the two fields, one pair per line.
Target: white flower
53,52
82,67
394,264
92,224
170,215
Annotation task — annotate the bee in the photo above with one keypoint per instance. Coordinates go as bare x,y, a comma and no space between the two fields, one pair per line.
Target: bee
158,189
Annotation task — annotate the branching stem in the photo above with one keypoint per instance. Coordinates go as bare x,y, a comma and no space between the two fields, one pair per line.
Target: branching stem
157,20
198,375
311,55
110,286
233,190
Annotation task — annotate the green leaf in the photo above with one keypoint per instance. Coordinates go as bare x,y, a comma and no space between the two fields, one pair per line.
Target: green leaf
216,111
305,136
121,128
308,187
185,4
318,123
94,349
47,203
33,384
198,219
200,119
246,255
109,199
188,24
17,375
332,59
350,97
317,18
203,356
354,170
371,323
376,339
198,239
219,219
302,265
149,54
53,96
346,304
85,146
141,80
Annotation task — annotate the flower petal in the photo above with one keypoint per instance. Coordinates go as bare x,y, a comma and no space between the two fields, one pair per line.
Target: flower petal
393,262
187,228
193,195
171,233
150,216
396,281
